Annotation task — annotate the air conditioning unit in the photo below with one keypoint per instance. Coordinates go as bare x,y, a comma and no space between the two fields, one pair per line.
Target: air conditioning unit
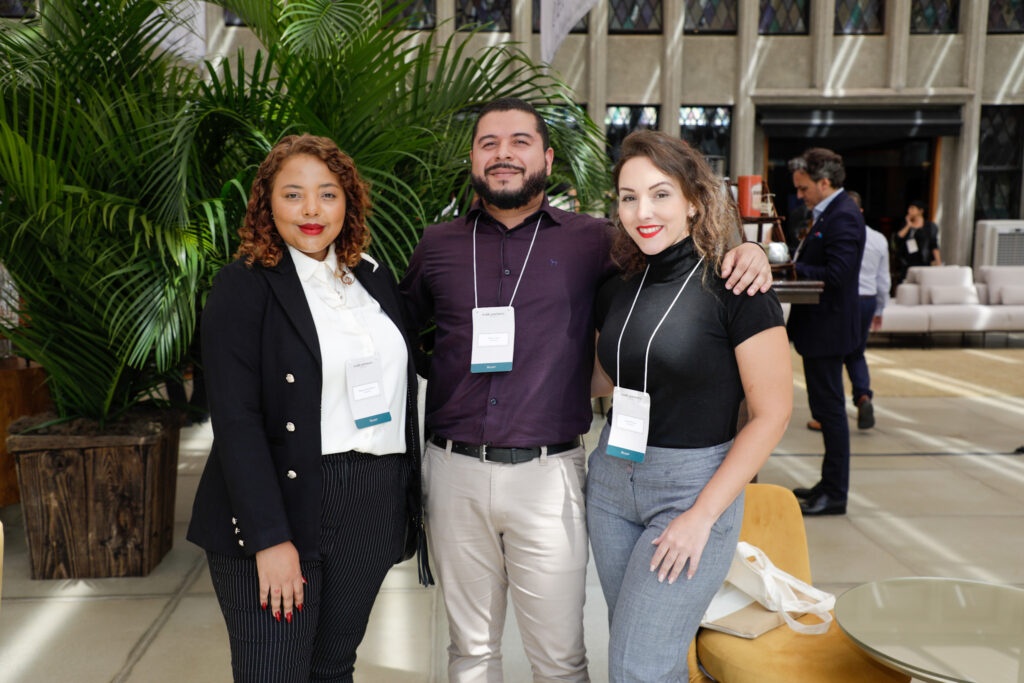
999,243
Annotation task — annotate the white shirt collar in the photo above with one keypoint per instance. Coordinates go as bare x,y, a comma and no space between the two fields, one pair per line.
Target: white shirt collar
369,259
820,207
306,267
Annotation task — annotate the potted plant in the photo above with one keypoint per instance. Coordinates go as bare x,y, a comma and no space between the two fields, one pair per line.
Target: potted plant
108,249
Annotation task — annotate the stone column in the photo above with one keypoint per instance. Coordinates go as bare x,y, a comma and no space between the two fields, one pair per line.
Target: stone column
957,234
897,31
522,27
823,19
743,113
445,20
597,63
673,15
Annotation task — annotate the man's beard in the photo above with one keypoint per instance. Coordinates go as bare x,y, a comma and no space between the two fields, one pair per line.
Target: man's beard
533,185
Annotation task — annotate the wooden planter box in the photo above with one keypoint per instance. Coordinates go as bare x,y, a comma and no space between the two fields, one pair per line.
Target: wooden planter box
22,392
97,506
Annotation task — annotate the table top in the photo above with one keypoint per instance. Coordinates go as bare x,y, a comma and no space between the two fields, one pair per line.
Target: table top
798,291
938,629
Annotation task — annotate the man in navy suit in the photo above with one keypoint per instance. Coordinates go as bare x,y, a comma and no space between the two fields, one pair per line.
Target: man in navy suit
825,332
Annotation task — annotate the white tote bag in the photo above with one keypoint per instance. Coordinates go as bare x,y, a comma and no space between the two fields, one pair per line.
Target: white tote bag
753,578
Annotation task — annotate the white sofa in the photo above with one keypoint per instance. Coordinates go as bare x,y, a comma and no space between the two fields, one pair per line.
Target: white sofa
948,299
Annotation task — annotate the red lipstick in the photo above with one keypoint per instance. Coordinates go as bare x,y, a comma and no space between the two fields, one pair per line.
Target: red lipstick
311,228
650,233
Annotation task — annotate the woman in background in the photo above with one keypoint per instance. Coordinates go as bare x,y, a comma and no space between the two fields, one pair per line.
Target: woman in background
665,484
311,491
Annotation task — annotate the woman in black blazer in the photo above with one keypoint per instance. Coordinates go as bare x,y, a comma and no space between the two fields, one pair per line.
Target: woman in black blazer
311,490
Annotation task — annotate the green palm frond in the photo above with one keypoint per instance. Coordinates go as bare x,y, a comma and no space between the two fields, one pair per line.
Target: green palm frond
261,16
103,227
29,179
318,28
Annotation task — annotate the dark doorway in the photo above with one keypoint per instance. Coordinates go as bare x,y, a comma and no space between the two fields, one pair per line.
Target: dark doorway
887,174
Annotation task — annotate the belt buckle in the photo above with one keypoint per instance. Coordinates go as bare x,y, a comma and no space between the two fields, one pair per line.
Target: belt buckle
483,452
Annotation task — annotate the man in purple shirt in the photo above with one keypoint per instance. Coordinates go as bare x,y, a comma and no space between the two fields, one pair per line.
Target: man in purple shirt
511,287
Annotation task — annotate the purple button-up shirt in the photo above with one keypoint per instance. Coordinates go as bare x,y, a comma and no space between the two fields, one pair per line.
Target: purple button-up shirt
545,398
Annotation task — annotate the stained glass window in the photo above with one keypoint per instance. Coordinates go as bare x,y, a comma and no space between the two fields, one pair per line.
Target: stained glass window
860,16
580,27
492,15
784,17
419,15
634,16
621,120
708,129
934,16
710,16
13,9
1006,16
1000,162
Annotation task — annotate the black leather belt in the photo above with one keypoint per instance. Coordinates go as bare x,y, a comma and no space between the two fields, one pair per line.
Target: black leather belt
502,454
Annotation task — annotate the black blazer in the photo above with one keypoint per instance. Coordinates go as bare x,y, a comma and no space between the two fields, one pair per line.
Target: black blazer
261,356
831,252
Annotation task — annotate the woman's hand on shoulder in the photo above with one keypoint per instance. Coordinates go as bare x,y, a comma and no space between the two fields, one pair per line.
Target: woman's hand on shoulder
281,582
683,539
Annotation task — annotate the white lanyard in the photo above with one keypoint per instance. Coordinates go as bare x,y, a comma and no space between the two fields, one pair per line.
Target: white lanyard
647,353
476,299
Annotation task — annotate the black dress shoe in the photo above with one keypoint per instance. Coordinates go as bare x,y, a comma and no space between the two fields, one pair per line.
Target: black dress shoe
801,492
865,413
822,504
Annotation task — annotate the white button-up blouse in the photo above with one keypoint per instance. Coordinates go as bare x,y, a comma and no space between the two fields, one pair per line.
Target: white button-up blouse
350,324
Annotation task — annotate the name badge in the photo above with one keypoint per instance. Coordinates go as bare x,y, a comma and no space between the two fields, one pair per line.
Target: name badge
494,339
631,411
912,244
365,379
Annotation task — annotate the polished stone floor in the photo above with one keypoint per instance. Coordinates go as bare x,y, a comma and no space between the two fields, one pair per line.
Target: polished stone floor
935,491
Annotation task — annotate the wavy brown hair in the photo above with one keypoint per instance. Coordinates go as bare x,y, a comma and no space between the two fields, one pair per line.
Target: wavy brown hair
261,241
716,223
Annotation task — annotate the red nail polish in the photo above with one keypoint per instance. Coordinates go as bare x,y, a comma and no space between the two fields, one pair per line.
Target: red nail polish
264,605
303,579
277,615
299,607
288,617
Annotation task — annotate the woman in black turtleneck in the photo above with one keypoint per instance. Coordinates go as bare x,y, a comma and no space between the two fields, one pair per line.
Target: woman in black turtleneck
681,352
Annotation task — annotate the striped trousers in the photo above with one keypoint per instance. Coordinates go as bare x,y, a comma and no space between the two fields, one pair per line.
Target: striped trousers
362,535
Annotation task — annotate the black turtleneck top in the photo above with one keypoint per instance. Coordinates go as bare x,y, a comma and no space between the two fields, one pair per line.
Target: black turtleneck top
692,375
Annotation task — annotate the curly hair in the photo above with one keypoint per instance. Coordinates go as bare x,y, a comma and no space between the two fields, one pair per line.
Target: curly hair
717,218
261,242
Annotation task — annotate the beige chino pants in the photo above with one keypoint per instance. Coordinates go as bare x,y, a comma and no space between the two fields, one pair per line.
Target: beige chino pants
495,529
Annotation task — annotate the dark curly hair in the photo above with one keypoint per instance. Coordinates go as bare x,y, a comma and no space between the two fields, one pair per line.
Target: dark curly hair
260,240
717,219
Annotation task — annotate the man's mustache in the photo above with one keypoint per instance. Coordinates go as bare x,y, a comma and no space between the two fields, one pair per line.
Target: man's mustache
500,164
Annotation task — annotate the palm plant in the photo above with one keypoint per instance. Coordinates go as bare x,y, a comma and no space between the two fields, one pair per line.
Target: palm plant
124,172
398,102
107,242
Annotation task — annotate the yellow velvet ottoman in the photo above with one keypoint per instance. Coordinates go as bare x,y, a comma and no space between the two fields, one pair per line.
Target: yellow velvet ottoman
784,656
